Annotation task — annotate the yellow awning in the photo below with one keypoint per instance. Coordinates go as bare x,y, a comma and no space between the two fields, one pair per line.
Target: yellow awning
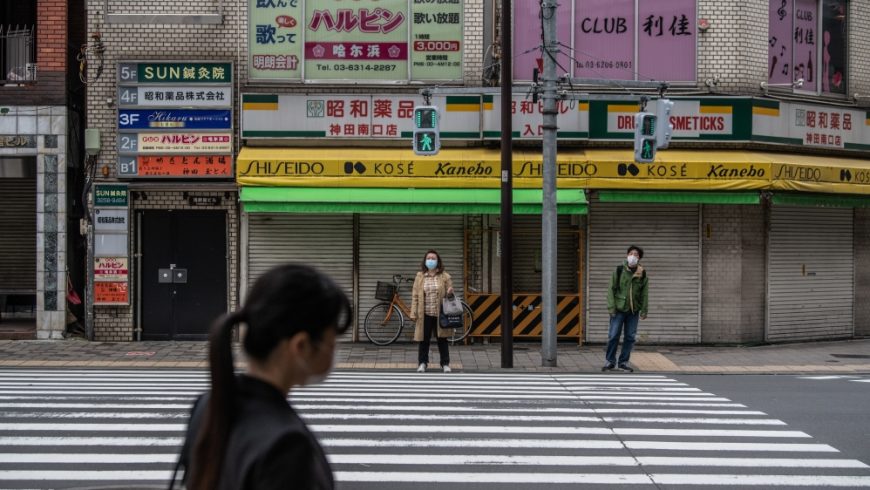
576,169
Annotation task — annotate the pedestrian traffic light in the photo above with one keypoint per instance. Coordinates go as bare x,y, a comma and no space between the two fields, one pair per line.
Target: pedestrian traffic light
426,134
645,137
664,128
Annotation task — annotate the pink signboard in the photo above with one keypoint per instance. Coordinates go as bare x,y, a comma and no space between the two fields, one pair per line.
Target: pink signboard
779,62
527,38
604,39
805,23
667,39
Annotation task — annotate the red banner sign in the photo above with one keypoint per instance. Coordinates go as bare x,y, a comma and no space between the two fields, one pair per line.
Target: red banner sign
111,293
186,166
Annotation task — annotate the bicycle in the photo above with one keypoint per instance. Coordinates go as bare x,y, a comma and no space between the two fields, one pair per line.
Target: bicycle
384,321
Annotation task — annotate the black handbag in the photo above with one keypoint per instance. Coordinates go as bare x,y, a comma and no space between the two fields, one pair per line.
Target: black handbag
451,312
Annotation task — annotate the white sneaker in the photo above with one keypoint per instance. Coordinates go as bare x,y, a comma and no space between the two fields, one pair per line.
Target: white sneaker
421,368
446,369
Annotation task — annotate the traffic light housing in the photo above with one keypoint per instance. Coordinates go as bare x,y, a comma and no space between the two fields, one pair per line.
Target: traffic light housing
645,137
427,140
664,128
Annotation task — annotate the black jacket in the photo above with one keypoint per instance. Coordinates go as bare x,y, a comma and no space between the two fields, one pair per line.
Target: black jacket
270,447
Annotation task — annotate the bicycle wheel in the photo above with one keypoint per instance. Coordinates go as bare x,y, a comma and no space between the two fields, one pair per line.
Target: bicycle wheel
383,324
467,321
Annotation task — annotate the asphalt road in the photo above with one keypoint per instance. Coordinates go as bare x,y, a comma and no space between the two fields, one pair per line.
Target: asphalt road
833,409
399,430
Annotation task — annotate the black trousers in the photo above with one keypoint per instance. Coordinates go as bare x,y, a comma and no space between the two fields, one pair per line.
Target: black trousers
430,326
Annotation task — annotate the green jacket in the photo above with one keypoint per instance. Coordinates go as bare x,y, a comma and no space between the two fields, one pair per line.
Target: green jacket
629,292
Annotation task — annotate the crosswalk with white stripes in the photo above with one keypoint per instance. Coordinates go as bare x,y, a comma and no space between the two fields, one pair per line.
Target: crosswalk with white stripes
395,430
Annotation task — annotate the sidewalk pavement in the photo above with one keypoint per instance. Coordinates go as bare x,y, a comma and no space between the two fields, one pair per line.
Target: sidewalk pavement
832,357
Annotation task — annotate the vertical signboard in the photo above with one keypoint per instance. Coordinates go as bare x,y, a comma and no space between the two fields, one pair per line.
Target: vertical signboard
527,37
612,39
604,33
667,40
779,51
275,39
360,40
179,114
371,40
805,62
111,250
436,40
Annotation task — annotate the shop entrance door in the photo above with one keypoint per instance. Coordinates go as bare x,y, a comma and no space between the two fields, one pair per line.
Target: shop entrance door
184,273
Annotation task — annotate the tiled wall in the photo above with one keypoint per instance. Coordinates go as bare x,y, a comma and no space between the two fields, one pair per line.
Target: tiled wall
47,125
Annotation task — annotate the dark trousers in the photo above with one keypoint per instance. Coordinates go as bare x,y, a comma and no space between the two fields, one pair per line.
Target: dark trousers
430,326
621,322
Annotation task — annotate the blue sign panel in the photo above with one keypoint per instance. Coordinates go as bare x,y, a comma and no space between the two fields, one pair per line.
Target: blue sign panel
175,119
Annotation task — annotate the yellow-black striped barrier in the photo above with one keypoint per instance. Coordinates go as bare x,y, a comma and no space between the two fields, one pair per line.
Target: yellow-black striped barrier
526,317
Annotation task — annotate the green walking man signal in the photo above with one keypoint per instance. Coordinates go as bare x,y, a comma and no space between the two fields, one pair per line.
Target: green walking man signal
427,140
652,131
645,137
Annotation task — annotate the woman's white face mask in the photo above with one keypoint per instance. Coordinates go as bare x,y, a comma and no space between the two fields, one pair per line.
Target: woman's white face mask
632,260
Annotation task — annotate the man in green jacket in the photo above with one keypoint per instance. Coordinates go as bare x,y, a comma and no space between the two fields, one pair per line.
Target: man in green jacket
627,302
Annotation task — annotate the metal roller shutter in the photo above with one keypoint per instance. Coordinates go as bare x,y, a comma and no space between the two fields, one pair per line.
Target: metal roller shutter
810,273
669,236
321,241
527,255
395,244
18,235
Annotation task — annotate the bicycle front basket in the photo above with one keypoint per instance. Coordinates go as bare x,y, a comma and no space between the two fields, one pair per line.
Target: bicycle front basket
385,291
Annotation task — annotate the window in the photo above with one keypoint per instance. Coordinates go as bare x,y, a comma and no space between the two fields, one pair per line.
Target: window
17,42
807,41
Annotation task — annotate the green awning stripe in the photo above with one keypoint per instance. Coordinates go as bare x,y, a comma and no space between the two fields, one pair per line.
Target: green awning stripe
821,200
767,103
262,98
416,208
749,197
403,201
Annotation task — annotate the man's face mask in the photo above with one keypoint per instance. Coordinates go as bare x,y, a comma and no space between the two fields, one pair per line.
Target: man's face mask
632,260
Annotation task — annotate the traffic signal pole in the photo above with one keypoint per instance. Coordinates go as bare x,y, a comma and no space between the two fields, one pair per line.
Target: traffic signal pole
549,226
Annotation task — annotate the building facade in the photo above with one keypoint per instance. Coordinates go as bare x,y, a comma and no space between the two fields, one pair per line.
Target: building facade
41,112
754,221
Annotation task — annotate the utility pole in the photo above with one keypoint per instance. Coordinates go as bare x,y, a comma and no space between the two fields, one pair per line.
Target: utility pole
549,228
507,202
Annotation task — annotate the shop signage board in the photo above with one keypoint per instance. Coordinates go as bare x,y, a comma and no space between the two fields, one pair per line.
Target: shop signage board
374,40
598,169
109,219
186,72
111,293
172,109
812,125
111,195
613,39
180,142
475,117
175,119
214,166
111,269
175,96
354,116
527,117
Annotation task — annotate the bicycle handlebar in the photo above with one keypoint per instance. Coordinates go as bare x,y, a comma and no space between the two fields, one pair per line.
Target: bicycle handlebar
399,279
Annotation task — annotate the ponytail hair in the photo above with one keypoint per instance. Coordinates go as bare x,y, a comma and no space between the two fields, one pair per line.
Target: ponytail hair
284,301
211,442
